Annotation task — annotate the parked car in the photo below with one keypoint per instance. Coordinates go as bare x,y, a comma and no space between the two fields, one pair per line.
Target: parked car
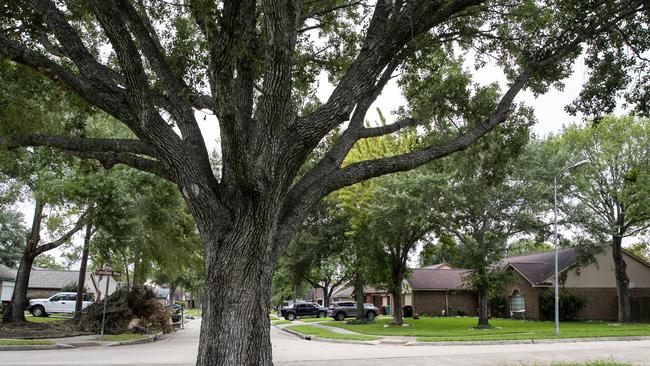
348,309
302,309
176,313
63,302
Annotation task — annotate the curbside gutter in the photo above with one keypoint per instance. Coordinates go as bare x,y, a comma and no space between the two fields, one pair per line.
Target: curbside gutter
34,347
530,341
309,337
148,339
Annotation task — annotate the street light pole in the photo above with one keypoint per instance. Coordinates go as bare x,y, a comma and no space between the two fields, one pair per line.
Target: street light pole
555,241
557,287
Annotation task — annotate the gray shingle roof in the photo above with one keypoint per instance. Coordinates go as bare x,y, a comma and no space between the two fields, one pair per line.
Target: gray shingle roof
52,279
437,279
7,273
538,267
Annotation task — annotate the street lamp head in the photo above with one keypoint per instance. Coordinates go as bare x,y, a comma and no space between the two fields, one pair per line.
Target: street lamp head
581,162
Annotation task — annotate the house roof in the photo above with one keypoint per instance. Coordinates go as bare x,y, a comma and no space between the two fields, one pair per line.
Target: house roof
52,279
443,265
437,279
348,291
7,273
538,267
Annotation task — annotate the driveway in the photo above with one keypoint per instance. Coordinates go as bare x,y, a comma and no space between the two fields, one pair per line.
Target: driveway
180,349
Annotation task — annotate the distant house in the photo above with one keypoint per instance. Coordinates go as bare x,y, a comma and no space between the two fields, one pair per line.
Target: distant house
440,289
596,282
433,290
44,283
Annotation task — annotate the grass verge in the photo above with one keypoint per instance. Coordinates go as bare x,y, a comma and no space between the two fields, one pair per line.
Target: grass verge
193,312
324,333
314,320
122,337
591,363
25,342
43,319
280,321
462,329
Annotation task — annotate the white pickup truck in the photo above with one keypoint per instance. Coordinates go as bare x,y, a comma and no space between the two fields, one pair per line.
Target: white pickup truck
63,302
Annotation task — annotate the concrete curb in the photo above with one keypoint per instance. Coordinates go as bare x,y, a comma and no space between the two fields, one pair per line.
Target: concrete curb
94,343
309,337
530,341
34,347
387,340
148,339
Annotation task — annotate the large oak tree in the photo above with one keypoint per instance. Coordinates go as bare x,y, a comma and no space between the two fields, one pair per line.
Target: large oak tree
152,64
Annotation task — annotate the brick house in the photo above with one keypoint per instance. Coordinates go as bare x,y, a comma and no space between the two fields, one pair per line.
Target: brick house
433,290
533,274
44,283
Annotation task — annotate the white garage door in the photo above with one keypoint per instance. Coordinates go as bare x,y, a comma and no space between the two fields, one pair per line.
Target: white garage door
7,290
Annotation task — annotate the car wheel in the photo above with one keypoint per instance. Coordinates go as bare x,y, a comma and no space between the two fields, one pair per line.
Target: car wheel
371,315
340,316
290,316
38,311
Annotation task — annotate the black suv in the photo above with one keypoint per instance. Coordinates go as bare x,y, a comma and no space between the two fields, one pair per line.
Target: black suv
302,309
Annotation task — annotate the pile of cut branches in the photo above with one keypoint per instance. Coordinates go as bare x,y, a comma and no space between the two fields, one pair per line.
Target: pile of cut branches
126,307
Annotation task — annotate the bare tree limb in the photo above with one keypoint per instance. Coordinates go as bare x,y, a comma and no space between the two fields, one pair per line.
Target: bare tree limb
81,222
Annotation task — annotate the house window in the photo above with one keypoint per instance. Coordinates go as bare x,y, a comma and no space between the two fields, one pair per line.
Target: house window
517,303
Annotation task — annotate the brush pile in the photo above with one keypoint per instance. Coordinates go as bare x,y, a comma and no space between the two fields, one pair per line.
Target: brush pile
134,309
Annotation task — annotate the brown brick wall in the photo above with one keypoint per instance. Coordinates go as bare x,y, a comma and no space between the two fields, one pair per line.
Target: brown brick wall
432,303
530,294
601,303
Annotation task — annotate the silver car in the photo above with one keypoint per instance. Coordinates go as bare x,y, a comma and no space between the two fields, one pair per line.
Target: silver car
348,309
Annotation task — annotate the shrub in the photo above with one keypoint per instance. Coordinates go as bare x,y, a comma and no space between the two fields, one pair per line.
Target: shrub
498,306
570,305
3,309
461,312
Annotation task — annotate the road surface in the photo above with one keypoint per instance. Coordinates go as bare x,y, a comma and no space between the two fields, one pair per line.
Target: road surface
181,348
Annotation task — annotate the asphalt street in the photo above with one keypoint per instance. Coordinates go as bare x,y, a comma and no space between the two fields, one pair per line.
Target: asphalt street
181,347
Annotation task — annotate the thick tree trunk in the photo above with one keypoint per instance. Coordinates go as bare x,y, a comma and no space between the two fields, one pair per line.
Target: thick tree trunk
359,296
235,329
483,321
16,313
398,316
622,281
81,282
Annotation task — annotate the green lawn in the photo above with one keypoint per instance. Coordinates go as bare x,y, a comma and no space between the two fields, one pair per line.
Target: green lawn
312,320
280,321
24,342
193,312
592,363
42,319
461,329
121,337
324,333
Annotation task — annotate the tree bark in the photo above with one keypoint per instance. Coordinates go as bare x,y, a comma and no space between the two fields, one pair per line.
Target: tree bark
81,283
622,281
398,316
359,296
16,313
235,329
483,321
